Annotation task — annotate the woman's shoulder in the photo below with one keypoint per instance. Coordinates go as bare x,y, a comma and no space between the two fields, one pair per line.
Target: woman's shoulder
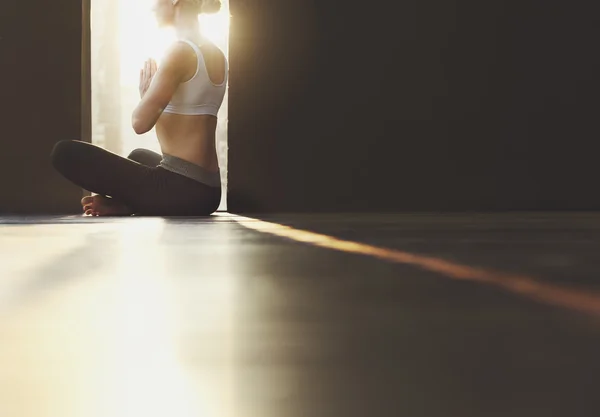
183,56
181,48
180,58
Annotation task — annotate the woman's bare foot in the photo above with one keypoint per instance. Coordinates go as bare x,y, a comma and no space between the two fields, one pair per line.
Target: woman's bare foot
99,205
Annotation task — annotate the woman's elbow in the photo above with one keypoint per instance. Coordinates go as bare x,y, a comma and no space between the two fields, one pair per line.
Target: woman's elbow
139,127
144,118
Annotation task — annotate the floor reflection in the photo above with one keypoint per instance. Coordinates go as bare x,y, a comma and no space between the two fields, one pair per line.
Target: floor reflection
120,338
212,317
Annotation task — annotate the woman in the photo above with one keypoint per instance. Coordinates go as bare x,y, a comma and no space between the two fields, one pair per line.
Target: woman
181,98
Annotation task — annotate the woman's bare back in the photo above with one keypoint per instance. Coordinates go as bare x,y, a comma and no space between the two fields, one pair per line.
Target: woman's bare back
192,138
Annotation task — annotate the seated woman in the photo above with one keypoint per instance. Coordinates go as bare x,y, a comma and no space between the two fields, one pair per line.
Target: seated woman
181,97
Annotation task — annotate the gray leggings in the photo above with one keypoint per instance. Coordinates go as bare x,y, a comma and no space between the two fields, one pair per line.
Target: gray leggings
136,181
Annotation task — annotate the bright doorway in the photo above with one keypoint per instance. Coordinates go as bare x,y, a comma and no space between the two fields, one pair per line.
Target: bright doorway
123,35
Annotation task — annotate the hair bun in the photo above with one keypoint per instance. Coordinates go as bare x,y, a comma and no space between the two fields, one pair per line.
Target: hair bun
210,6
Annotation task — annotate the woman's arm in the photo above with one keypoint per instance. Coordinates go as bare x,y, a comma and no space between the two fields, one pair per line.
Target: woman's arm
157,86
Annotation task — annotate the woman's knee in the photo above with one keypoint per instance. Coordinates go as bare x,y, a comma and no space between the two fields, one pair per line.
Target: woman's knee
62,153
136,153
145,157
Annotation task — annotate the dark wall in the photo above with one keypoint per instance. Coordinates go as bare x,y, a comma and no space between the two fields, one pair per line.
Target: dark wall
40,90
413,105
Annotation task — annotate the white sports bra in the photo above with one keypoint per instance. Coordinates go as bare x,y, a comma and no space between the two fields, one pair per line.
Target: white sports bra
199,95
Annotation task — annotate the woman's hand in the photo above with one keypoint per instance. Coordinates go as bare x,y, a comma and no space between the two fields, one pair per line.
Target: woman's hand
146,75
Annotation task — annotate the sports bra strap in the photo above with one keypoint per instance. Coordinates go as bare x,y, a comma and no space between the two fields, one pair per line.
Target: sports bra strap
193,45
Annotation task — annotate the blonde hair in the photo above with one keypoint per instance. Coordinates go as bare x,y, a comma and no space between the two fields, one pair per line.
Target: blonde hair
205,6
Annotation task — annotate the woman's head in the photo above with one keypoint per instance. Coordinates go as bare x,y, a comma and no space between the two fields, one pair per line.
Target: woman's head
167,10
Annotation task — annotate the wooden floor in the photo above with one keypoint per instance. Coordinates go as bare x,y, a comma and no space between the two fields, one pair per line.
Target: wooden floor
378,315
